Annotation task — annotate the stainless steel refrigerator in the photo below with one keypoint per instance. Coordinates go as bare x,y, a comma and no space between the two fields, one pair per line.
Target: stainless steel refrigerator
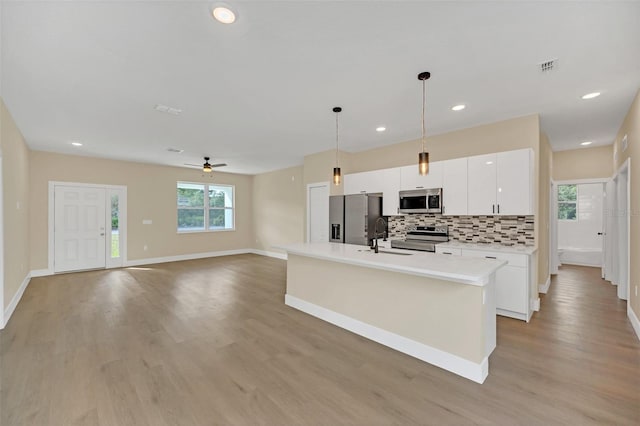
352,218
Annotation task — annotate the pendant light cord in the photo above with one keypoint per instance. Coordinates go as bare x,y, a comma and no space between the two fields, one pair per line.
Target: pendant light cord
337,139
424,101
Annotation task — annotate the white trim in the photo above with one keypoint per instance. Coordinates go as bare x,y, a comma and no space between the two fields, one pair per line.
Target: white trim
178,258
453,363
544,288
267,253
308,213
581,181
2,317
40,273
635,323
14,302
535,305
516,315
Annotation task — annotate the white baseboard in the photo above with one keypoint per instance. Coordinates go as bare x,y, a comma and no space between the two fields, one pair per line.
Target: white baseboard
192,256
455,364
14,301
275,254
544,288
535,305
635,323
40,273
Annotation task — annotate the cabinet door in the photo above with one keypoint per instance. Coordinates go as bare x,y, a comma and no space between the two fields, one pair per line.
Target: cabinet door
514,196
357,183
481,184
390,179
411,179
511,289
454,187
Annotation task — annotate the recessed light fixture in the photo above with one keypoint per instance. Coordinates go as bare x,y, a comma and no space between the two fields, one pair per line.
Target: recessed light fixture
175,150
381,129
591,95
488,163
458,107
168,109
224,14
76,143
586,143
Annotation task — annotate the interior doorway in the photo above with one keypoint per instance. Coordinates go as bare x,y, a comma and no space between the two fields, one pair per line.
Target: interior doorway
87,226
318,212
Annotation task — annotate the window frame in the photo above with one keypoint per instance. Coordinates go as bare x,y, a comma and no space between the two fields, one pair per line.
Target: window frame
206,207
560,202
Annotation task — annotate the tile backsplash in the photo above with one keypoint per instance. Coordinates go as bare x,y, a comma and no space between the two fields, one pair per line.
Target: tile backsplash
506,230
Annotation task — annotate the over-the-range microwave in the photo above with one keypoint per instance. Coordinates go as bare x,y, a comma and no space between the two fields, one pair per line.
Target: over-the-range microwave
421,201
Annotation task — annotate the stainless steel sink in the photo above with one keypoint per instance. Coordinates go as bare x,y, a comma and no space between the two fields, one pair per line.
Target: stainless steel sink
386,252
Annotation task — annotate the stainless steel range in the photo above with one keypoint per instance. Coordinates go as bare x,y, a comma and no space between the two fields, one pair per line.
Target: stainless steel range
423,238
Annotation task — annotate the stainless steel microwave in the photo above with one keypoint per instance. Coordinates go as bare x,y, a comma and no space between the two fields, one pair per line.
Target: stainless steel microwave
421,201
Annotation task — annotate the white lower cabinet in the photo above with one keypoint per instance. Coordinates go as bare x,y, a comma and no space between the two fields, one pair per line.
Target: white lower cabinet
513,281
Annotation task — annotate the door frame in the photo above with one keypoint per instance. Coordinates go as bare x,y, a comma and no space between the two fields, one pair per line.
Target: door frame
122,221
1,247
309,187
626,169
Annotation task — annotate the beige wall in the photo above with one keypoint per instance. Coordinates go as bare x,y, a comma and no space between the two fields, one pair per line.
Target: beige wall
586,163
151,194
278,208
521,132
631,128
15,199
546,168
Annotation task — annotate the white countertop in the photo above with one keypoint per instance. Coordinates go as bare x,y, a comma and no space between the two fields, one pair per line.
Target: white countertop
516,249
465,270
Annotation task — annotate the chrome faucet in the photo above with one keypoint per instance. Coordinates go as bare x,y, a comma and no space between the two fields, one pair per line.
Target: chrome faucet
376,234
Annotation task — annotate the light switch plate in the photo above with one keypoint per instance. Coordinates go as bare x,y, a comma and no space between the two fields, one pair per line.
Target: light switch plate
147,221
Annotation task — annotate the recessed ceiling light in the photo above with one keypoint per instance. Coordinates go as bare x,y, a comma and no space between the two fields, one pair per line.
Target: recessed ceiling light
168,109
224,14
458,107
381,129
76,143
586,143
488,163
591,95
175,150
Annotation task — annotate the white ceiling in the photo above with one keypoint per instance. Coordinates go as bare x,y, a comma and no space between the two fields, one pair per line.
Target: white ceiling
258,94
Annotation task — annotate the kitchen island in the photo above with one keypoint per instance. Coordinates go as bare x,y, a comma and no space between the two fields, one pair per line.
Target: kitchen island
438,308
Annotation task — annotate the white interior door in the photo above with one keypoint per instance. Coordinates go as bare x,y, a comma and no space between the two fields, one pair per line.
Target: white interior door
318,213
79,228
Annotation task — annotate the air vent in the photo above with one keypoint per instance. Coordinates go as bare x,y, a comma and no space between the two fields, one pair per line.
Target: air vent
548,65
176,150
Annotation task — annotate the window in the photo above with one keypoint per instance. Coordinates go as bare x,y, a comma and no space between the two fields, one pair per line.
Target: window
199,204
567,202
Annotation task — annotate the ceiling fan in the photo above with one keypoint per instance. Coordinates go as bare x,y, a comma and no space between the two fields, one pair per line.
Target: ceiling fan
207,167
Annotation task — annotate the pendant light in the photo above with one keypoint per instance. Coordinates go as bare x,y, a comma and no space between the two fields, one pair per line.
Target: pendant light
337,175
423,157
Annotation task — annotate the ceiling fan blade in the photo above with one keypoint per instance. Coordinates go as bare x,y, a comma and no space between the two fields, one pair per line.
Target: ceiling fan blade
193,165
219,165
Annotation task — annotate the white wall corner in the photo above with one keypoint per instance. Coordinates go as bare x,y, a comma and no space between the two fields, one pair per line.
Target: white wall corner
635,322
16,299
544,288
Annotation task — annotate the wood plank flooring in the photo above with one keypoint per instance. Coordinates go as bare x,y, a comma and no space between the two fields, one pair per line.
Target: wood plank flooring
210,342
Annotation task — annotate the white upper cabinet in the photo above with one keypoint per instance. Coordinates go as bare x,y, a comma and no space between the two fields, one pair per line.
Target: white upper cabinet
411,179
454,187
385,181
514,196
481,186
500,183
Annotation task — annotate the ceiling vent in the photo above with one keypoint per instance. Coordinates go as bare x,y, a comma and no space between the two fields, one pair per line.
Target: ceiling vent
547,66
168,109
176,150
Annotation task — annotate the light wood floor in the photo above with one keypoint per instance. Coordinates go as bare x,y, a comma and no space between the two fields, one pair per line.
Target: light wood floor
211,342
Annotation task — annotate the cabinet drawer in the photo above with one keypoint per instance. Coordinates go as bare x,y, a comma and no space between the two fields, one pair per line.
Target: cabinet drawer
452,251
519,260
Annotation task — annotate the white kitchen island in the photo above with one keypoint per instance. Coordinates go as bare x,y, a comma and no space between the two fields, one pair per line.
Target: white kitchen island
438,308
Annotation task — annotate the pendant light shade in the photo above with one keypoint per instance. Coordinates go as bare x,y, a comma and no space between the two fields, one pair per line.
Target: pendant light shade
423,157
337,175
